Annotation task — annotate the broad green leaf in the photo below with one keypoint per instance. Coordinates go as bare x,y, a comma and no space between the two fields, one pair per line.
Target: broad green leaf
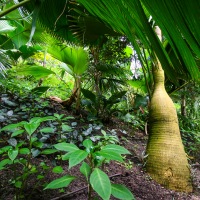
89,95
110,155
38,144
47,130
104,133
16,133
31,127
101,183
121,192
36,71
76,58
18,184
68,117
12,126
60,182
39,177
85,169
12,154
66,147
4,162
114,98
81,61
139,85
87,143
41,119
49,151
34,139
66,128
58,116
76,157
67,155
57,170
27,51
24,151
35,120
20,143
116,148
39,90
5,149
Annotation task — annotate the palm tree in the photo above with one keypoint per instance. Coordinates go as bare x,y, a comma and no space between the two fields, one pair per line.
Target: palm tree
178,22
76,63
164,164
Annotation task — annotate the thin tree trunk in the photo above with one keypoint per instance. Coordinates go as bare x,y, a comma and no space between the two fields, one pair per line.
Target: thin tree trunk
183,105
166,160
78,95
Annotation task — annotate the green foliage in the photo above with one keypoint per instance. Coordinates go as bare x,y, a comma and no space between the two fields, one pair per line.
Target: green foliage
35,71
26,82
60,182
101,183
188,100
190,129
12,154
100,105
76,58
96,155
121,192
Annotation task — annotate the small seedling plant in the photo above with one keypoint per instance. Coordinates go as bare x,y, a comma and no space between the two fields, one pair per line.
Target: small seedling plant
93,158
20,152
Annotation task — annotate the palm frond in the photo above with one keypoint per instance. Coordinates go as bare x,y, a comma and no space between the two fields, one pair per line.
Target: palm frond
75,57
52,16
178,21
88,29
128,17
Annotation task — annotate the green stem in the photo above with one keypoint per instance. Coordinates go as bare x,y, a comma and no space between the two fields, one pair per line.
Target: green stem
24,181
89,192
89,185
14,7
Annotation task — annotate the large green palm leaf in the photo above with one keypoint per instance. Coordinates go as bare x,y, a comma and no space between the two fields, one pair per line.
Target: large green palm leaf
128,18
69,20
75,57
178,21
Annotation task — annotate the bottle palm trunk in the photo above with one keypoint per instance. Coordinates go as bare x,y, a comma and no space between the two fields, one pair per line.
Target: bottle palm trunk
166,160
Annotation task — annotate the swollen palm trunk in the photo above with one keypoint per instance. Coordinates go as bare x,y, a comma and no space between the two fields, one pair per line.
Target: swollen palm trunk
166,159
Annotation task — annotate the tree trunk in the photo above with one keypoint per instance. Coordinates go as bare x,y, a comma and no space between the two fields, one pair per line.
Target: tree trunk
166,160
183,105
78,95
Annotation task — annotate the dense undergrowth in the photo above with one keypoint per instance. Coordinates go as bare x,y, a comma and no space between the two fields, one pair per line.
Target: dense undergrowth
33,128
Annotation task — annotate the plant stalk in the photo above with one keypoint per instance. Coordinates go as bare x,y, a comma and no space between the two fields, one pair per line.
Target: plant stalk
14,7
